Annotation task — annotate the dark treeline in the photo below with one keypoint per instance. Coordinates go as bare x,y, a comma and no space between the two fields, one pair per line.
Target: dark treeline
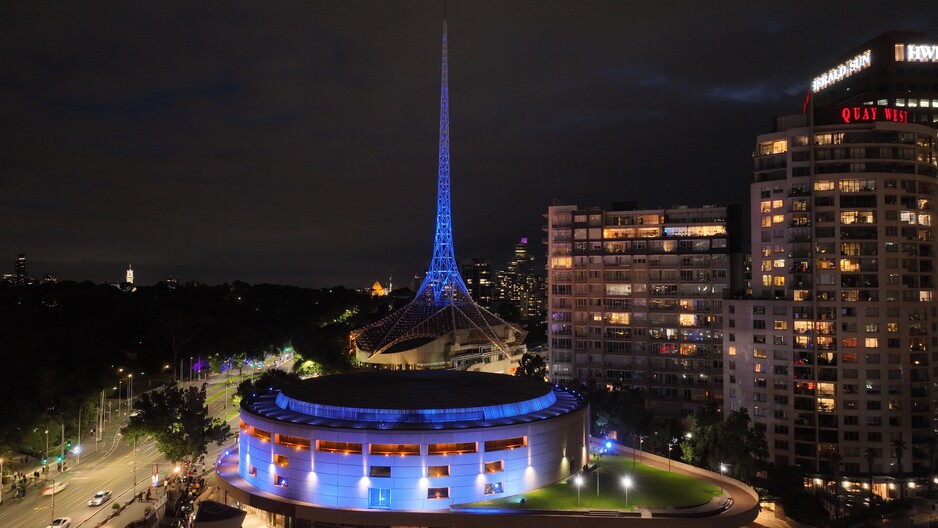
61,344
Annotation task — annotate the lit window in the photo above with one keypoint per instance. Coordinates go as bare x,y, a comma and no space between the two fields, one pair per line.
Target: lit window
379,498
281,482
494,487
871,342
507,443
380,471
437,493
281,461
437,471
495,467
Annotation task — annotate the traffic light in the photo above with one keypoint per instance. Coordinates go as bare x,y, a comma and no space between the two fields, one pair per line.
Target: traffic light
44,460
58,458
68,444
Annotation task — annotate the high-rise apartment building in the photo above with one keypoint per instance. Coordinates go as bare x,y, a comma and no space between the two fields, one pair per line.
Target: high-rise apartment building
834,351
635,299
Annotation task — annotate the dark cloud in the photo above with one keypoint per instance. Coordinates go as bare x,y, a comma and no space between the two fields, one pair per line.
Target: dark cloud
295,142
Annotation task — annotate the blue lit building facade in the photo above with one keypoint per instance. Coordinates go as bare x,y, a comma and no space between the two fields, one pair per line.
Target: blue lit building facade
406,441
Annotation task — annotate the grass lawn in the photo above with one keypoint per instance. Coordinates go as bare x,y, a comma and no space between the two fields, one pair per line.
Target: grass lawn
650,487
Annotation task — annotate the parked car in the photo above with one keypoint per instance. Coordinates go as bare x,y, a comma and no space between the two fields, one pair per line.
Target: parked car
100,498
53,489
61,522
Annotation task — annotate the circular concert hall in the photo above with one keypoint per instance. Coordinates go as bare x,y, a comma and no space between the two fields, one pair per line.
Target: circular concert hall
408,441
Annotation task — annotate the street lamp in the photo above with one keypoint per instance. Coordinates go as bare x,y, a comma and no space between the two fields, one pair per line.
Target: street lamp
722,471
627,483
578,480
119,392
47,449
130,397
671,444
1,481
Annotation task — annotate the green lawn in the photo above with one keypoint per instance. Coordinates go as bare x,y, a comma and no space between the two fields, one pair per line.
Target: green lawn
650,487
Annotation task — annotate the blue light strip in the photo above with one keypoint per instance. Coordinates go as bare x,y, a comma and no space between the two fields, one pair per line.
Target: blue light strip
443,277
416,416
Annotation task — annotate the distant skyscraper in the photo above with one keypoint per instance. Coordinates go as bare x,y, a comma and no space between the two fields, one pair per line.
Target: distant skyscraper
130,274
442,326
478,275
20,273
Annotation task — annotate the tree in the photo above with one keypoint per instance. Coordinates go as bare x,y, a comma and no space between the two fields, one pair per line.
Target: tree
178,421
734,441
899,446
870,455
532,366
270,380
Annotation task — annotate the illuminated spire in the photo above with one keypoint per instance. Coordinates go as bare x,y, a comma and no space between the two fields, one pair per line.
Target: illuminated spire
443,278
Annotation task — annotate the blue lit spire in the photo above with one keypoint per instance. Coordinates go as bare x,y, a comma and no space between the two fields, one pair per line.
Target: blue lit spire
443,277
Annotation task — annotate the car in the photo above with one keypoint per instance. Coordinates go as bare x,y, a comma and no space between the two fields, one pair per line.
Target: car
100,498
52,489
61,522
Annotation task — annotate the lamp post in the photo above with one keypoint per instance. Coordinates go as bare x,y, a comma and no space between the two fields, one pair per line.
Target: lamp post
130,396
671,444
1,481
47,448
722,471
627,483
119,392
578,480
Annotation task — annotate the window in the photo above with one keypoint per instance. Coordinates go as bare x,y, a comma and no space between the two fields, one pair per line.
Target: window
281,461
293,441
262,435
395,449
449,449
495,467
437,493
508,443
437,471
339,447
252,471
280,482
380,471
494,487
379,498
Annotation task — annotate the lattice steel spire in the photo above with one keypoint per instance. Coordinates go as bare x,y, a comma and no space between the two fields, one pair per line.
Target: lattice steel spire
442,305
443,278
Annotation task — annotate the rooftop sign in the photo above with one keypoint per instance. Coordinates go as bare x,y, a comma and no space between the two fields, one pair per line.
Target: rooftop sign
841,71
857,114
916,53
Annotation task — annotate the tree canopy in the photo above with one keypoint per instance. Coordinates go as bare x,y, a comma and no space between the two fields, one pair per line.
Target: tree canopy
532,366
178,421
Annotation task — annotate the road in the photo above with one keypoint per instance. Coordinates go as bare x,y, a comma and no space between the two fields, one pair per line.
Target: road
112,465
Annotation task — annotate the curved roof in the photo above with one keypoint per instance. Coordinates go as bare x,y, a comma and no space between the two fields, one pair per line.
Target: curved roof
415,399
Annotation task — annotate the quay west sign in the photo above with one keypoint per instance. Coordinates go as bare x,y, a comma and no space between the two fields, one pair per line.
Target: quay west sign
841,71
862,114
916,53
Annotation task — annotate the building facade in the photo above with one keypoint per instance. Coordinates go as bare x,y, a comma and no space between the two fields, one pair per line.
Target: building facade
833,352
414,441
635,298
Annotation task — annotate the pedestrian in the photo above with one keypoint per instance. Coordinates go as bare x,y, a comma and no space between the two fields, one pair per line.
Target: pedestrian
148,494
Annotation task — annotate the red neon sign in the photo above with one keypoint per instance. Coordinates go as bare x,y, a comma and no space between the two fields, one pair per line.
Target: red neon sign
856,114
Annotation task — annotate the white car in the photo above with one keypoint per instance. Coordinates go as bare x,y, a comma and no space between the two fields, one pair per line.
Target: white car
53,489
100,498
61,522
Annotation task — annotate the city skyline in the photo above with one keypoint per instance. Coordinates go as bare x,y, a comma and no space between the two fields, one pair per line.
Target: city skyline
295,143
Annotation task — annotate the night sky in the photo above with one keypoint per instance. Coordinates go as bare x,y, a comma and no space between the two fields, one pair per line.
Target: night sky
296,142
